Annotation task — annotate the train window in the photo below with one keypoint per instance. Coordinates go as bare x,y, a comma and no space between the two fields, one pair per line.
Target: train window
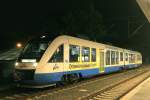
112,57
139,57
58,56
85,54
108,57
74,52
93,54
121,56
126,56
133,58
130,58
117,57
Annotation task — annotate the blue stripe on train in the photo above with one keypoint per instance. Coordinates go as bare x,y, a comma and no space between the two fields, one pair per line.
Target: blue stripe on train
53,77
131,66
113,69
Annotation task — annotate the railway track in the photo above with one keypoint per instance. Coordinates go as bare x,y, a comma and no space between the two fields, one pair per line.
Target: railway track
52,92
116,91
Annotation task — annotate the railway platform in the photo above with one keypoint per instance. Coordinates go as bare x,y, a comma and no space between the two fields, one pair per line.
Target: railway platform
141,92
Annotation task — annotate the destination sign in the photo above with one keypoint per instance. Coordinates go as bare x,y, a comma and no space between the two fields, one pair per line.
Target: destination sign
71,66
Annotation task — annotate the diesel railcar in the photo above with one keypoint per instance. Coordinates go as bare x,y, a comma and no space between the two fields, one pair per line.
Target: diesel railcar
44,62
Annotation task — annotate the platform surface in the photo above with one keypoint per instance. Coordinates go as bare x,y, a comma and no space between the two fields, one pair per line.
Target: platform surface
141,92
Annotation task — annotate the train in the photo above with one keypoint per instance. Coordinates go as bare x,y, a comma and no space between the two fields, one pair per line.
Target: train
66,59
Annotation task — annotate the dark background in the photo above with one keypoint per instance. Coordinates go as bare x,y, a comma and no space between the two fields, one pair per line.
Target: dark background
115,22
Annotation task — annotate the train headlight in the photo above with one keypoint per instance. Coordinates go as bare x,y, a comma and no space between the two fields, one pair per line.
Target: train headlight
35,64
16,64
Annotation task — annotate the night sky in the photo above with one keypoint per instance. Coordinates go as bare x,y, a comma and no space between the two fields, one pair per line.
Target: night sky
22,20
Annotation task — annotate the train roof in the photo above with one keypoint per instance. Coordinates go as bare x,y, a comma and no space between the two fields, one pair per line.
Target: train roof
84,40
104,45
49,38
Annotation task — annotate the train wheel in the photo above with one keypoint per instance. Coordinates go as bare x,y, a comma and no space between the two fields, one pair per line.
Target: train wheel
69,79
73,78
63,81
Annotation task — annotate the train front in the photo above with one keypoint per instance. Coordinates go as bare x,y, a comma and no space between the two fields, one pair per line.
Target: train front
25,66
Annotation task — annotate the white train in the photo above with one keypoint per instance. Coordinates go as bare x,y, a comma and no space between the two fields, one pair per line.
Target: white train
44,62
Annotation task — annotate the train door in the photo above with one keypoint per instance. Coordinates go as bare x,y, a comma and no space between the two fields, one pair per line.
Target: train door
101,69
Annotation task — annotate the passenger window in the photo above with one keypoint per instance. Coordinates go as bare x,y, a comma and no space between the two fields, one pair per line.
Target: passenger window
93,54
74,52
130,58
112,57
121,56
133,58
85,54
139,58
126,56
117,57
108,57
58,56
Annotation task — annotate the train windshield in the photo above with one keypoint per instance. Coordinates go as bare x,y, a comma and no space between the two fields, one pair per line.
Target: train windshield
34,50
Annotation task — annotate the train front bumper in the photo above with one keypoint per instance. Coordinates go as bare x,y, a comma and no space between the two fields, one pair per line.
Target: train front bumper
28,78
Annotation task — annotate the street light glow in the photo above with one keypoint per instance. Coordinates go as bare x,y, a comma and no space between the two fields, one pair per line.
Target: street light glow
18,45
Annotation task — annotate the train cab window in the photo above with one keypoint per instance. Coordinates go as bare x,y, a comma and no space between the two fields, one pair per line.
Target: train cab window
34,50
93,54
74,52
117,57
121,56
113,57
108,57
126,56
58,56
85,54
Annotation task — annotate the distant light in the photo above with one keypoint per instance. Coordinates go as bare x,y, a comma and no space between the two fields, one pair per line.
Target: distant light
18,45
29,60
16,64
43,36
